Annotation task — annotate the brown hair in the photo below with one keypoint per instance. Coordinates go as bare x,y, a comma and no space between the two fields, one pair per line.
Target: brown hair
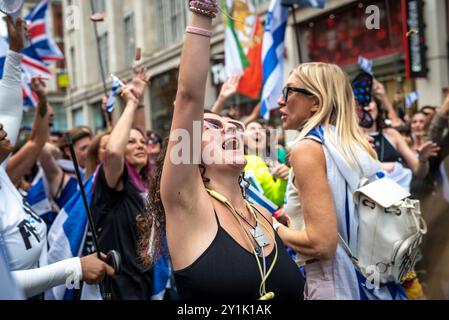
92,160
154,216
76,134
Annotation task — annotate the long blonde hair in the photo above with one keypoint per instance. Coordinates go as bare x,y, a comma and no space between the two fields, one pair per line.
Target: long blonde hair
330,85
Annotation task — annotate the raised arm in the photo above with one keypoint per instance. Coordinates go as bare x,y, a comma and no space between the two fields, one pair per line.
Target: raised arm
418,164
115,150
21,163
180,181
52,170
255,114
11,103
440,122
228,89
379,91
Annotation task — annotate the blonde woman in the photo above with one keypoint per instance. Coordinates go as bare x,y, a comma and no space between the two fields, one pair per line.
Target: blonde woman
328,159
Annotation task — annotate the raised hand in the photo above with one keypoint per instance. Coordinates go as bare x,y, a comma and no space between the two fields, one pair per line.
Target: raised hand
135,91
427,150
39,87
378,89
229,87
281,171
16,33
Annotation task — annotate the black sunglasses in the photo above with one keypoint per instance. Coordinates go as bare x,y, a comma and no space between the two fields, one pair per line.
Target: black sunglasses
286,92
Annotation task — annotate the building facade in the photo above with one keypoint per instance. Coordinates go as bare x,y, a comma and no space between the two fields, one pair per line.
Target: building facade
56,86
336,34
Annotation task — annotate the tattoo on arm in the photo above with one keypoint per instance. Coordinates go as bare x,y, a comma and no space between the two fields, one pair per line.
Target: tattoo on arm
43,110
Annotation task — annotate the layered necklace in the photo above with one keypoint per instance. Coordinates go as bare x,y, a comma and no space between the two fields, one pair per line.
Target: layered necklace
258,237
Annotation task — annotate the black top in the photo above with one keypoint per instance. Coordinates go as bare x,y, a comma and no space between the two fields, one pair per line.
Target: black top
114,214
228,271
384,149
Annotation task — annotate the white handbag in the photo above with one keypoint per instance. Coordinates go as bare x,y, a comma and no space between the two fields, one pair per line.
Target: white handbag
391,229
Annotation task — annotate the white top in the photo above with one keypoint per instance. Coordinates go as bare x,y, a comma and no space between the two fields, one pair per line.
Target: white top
11,101
24,232
292,209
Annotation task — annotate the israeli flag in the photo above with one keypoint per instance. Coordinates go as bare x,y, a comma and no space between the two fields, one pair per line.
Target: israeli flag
273,56
116,85
366,65
254,193
67,236
161,274
38,197
411,99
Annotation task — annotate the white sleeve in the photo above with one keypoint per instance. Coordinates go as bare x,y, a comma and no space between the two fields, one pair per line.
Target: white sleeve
36,281
11,101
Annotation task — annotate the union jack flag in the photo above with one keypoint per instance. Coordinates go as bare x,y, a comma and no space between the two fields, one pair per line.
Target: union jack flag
39,30
38,56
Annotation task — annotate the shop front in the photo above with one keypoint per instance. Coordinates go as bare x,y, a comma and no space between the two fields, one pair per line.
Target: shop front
344,34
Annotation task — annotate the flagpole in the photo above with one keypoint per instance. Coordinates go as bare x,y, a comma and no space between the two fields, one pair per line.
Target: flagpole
297,35
107,116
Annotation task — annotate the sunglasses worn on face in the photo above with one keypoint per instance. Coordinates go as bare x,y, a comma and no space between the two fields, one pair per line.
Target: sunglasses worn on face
286,92
217,124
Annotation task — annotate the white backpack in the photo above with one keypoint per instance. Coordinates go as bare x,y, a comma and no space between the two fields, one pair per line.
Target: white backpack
391,229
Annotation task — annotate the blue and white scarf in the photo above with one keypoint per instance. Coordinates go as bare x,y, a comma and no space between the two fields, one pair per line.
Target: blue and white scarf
342,178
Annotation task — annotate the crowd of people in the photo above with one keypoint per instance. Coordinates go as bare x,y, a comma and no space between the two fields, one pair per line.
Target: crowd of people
218,239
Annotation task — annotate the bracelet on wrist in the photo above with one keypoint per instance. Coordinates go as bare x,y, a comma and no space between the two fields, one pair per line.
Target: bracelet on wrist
207,8
199,31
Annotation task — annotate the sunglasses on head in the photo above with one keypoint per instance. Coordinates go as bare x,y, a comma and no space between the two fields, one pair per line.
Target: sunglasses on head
286,91
218,124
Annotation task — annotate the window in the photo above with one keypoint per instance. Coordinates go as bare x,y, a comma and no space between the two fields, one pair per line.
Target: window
172,19
98,118
104,50
99,6
78,117
130,39
73,70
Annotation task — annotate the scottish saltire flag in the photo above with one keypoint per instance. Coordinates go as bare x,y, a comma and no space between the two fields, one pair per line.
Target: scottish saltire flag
67,235
366,65
273,56
40,37
161,274
116,85
411,99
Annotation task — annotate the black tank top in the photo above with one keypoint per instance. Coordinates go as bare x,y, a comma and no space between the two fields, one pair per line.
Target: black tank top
384,149
228,271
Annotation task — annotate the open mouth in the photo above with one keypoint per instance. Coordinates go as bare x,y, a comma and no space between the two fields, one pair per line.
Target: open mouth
231,144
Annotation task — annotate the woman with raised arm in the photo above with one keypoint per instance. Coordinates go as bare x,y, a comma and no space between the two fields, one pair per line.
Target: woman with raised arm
23,233
119,193
396,157
221,246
